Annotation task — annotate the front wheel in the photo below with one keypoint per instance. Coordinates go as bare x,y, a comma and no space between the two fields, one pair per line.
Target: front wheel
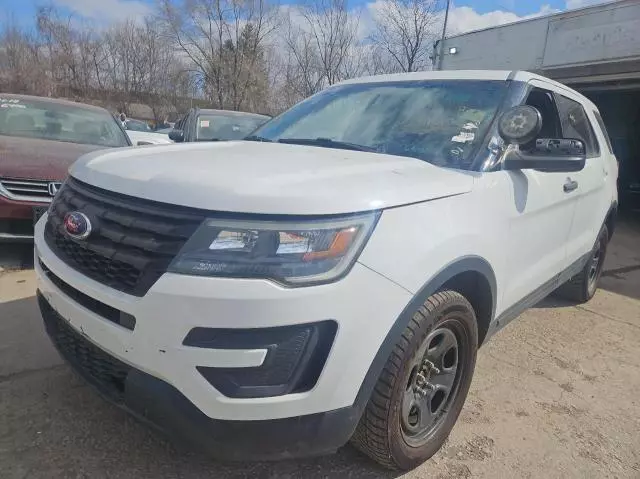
423,386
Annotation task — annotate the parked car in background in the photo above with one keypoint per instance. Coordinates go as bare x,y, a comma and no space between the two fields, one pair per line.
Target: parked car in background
216,125
136,125
39,139
142,138
141,134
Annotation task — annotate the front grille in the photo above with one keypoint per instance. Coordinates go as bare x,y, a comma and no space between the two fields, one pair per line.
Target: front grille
26,189
132,241
101,309
101,369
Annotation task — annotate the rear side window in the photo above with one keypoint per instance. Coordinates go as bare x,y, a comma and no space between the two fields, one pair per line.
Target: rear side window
575,124
604,130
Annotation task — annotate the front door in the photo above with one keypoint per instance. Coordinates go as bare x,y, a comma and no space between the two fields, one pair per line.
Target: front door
540,214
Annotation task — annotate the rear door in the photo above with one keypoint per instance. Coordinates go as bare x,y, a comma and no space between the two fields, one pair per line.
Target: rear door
541,213
590,194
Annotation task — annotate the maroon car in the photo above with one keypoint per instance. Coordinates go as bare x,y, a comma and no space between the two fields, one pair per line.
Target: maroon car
39,139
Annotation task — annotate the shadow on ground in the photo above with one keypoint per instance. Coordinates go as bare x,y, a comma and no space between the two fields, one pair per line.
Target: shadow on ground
551,302
622,267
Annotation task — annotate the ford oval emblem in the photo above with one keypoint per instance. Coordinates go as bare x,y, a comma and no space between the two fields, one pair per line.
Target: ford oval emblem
77,225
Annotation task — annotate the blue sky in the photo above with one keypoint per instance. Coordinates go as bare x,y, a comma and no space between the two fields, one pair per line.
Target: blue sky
466,14
523,7
518,7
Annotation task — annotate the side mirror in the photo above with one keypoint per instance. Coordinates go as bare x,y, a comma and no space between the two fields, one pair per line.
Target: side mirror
549,154
176,135
520,124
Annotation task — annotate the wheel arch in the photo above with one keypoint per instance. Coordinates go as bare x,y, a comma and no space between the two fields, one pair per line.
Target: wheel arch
610,219
460,275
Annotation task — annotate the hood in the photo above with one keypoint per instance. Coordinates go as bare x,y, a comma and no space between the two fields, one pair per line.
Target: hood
270,178
38,159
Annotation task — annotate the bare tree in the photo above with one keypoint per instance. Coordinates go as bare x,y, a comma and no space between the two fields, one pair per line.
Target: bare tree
21,62
223,39
72,51
404,31
332,30
127,58
303,74
139,64
318,47
131,62
231,52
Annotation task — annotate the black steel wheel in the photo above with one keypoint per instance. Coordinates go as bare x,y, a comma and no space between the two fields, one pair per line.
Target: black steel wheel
423,386
432,384
584,285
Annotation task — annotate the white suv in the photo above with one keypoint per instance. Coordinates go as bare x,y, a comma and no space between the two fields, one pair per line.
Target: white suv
331,278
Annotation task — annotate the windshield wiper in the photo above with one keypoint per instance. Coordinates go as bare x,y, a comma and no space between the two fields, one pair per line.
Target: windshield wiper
257,138
327,143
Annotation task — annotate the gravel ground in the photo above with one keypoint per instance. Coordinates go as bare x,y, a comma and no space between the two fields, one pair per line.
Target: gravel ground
556,394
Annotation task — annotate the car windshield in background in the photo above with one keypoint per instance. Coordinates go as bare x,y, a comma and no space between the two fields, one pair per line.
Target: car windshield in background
226,127
60,122
441,122
137,125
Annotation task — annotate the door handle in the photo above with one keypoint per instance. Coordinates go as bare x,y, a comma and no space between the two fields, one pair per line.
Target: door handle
570,185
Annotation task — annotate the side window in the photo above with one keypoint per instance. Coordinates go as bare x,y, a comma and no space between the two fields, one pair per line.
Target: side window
575,124
544,101
596,113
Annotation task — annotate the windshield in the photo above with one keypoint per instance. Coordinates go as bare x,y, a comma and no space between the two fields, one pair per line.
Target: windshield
137,125
226,127
441,122
60,122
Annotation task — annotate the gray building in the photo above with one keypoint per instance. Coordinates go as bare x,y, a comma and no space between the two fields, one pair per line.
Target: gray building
595,50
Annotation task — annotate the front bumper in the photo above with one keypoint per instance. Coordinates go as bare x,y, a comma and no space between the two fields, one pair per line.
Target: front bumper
364,305
166,409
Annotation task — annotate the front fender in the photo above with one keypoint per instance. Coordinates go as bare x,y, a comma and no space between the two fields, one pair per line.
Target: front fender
413,244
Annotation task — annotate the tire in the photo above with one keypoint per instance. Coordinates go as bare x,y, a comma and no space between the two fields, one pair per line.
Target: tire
406,421
584,285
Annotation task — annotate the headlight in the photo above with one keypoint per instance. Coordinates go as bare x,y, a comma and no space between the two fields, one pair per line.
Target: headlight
294,253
